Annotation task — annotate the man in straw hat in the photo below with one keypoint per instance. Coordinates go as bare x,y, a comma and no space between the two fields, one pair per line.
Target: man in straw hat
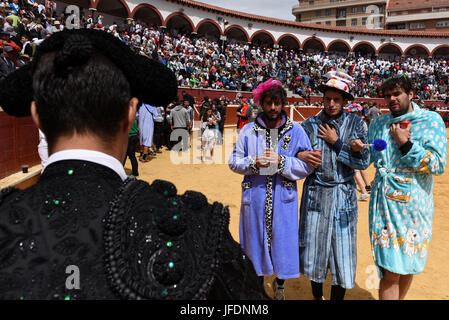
328,212
85,231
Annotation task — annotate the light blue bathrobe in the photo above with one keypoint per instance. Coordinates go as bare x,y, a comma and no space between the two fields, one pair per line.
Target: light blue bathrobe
401,204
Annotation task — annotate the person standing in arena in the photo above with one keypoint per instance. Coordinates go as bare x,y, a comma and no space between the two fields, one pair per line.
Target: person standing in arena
242,119
145,117
180,124
401,205
328,214
265,155
133,138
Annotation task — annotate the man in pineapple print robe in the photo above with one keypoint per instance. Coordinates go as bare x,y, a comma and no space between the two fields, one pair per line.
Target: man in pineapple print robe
401,204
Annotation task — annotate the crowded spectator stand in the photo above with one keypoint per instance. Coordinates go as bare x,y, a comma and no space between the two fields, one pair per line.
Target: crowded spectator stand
220,70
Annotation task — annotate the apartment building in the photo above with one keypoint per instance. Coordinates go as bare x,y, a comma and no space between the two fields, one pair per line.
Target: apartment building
418,15
366,14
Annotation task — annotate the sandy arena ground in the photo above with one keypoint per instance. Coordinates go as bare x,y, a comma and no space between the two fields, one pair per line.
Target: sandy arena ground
219,183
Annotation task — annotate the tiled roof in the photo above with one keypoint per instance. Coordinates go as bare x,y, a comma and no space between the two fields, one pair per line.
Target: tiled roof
408,4
317,27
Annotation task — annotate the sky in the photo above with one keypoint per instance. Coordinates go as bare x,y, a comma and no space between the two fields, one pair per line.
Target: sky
281,9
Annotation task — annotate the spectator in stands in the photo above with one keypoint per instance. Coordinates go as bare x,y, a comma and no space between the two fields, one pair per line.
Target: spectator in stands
26,45
6,64
201,62
6,41
3,5
14,6
38,32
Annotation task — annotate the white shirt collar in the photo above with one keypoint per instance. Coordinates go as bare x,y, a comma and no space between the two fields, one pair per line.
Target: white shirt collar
89,155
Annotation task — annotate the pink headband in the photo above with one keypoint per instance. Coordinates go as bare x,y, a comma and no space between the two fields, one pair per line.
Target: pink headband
264,86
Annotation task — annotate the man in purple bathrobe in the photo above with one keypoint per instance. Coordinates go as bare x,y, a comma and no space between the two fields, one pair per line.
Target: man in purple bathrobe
265,154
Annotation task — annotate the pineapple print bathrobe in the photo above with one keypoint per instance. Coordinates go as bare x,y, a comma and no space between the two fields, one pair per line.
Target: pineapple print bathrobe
401,204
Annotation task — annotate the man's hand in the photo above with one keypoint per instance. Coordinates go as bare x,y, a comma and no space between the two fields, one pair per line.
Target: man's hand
262,162
272,157
328,134
310,157
401,136
268,158
357,145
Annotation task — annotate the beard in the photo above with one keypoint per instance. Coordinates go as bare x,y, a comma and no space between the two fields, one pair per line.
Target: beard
271,118
403,109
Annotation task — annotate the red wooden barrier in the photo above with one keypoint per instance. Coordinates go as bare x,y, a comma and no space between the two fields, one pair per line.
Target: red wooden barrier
19,138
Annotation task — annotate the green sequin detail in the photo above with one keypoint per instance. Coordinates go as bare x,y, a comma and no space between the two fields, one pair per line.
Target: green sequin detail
56,202
169,244
171,265
70,172
175,217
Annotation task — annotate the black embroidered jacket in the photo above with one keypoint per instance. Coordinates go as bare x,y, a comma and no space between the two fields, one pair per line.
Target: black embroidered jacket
126,240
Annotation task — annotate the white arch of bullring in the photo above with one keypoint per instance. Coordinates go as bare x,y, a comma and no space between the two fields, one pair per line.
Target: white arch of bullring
197,13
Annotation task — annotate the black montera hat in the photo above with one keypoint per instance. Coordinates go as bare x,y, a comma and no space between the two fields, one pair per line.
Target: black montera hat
150,81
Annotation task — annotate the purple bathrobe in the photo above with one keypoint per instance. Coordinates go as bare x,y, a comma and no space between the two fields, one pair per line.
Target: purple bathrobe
269,209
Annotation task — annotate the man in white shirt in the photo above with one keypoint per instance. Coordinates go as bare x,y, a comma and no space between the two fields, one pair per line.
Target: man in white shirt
41,8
